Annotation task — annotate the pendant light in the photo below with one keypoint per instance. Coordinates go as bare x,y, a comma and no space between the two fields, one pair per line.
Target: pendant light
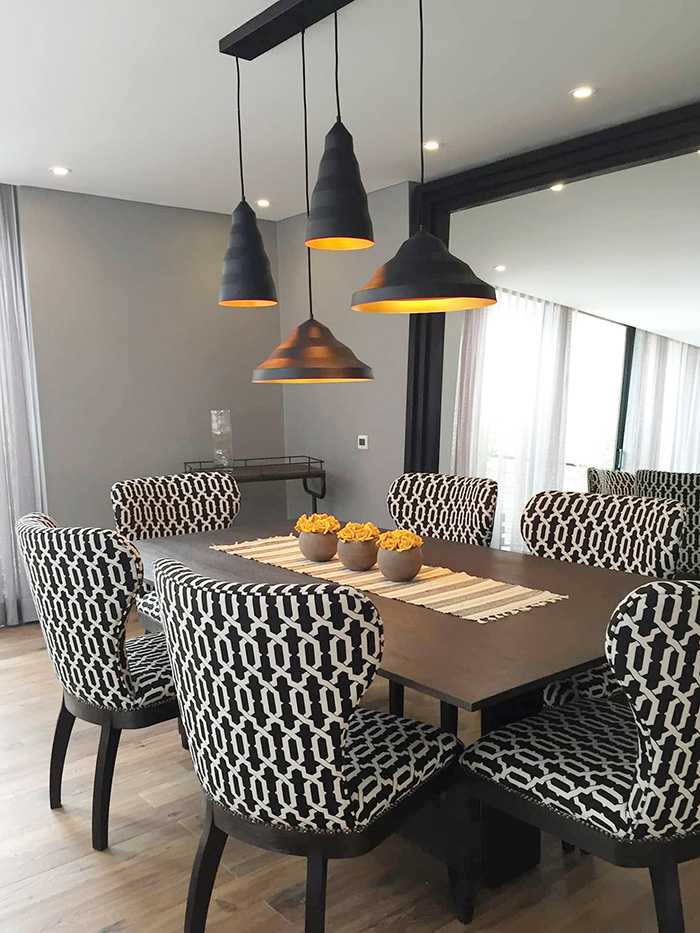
312,354
423,276
339,217
246,281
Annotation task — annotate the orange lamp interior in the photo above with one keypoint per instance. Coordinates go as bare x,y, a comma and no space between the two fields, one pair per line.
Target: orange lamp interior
424,305
305,381
339,242
249,303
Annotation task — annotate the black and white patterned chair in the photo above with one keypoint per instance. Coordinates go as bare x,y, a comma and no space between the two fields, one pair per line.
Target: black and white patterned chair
84,583
180,504
685,488
453,508
627,533
611,482
269,679
619,780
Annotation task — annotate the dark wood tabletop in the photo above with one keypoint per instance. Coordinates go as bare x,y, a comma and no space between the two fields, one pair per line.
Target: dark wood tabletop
468,664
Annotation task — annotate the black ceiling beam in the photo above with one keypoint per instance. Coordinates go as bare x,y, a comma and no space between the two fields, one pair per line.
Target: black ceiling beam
275,25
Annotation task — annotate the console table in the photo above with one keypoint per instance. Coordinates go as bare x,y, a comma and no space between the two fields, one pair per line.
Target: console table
269,469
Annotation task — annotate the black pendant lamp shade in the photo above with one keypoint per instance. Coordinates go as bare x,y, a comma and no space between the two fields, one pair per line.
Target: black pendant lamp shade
339,217
312,354
246,281
422,277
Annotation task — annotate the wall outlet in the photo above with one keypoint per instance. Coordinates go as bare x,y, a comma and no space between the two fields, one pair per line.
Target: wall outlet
362,442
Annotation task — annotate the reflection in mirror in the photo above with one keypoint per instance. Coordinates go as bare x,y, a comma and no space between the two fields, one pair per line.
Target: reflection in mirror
590,358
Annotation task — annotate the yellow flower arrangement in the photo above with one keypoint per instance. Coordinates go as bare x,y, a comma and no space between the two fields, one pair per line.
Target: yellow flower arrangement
317,524
357,531
399,541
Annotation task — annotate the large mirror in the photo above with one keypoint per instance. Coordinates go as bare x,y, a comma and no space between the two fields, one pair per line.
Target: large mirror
590,358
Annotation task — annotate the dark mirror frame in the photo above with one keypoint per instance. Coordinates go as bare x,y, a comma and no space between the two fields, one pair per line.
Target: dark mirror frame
649,139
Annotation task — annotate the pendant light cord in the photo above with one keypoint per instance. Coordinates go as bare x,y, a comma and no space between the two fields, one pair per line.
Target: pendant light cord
337,65
306,163
420,106
240,130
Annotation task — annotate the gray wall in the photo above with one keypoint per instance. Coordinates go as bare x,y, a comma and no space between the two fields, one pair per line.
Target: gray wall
324,420
132,350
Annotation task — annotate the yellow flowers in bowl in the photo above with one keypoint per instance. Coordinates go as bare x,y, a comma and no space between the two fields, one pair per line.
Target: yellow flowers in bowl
317,524
357,547
400,555
359,531
399,541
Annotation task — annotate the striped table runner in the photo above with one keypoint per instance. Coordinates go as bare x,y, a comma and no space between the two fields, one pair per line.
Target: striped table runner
458,594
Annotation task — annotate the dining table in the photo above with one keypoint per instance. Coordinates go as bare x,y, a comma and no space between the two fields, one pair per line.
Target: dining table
498,668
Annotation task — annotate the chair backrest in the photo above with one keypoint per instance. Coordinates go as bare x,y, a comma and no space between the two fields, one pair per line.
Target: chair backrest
653,647
438,505
267,678
181,504
626,533
84,582
685,488
611,482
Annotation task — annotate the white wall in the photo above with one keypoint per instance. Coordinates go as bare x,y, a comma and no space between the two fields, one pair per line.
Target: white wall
324,420
133,351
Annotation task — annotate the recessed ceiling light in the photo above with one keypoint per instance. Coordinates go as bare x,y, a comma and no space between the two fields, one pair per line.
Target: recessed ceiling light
582,93
263,202
431,145
558,187
500,268
59,170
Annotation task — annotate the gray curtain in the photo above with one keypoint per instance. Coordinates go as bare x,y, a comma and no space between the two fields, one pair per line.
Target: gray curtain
21,470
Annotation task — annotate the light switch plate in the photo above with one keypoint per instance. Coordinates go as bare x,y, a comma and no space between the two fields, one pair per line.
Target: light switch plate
362,442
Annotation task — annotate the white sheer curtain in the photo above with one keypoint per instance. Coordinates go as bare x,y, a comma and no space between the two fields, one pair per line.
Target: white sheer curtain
21,474
663,417
510,410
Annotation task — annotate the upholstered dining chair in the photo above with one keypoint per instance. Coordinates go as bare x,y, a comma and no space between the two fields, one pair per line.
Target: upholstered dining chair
269,679
685,488
84,583
627,533
453,508
611,482
180,504
620,780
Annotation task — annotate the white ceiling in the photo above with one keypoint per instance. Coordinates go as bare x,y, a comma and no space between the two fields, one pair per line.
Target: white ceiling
134,96
623,246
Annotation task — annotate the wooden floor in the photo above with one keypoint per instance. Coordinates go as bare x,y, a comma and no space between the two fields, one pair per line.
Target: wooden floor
52,882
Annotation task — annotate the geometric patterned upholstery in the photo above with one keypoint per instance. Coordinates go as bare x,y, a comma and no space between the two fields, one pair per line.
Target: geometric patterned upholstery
631,770
268,680
181,504
596,683
611,482
83,582
148,605
627,533
685,488
453,508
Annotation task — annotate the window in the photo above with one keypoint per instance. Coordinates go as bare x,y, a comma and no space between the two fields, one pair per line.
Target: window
596,363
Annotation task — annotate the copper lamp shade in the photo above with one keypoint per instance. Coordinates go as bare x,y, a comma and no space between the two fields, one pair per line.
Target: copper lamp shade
311,355
246,281
339,217
423,277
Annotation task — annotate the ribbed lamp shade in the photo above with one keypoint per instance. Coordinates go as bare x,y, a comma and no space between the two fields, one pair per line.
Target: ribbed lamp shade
312,354
339,216
423,277
246,281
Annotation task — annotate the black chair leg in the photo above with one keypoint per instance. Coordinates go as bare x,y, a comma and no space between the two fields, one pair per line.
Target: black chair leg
316,874
102,791
61,737
667,896
465,856
396,698
206,865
